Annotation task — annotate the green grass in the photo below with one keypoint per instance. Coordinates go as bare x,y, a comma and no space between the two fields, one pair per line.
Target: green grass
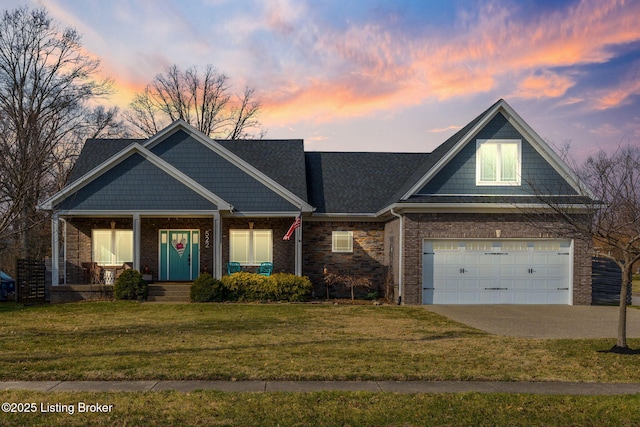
208,408
124,340
127,340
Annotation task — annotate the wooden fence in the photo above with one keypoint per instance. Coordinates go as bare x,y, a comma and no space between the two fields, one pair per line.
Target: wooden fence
606,282
30,281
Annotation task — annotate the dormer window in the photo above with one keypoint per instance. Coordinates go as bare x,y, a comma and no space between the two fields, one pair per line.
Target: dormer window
498,161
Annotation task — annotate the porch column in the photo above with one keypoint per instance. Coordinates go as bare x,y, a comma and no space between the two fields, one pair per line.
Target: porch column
55,249
136,241
298,238
217,246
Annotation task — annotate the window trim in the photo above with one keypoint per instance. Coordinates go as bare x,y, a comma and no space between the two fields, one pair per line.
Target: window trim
335,234
114,246
499,179
251,246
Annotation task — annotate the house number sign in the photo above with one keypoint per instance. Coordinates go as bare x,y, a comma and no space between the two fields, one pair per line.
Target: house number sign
207,238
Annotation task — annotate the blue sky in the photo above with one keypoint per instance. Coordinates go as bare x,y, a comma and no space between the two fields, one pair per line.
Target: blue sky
367,75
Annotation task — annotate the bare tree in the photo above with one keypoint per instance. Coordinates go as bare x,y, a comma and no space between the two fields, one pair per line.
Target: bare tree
610,218
203,100
46,81
97,122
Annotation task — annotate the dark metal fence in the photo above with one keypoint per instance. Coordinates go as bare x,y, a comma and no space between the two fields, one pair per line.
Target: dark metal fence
606,282
30,281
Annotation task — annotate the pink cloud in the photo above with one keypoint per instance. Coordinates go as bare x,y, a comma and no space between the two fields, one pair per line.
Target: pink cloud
383,70
445,129
544,85
620,93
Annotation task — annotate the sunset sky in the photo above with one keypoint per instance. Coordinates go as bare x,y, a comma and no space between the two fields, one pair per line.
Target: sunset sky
367,75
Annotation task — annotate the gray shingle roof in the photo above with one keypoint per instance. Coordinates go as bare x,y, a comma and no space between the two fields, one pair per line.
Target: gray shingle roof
96,151
332,182
436,156
280,160
357,182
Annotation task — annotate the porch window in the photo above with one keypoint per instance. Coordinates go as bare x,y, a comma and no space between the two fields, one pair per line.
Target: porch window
498,161
250,247
342,241
112,247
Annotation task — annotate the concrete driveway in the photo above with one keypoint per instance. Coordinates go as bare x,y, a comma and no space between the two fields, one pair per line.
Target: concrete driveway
543,321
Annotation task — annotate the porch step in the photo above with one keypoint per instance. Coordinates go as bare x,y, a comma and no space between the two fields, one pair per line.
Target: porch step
169,292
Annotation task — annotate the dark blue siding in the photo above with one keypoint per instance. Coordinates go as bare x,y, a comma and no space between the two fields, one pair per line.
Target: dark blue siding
136,184
218,175
459,175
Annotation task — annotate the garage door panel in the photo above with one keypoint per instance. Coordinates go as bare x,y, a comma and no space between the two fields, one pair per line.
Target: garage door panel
497,272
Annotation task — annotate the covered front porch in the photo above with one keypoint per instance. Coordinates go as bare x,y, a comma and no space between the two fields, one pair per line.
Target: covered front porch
95,249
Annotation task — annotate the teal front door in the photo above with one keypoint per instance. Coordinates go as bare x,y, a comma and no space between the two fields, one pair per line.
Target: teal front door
179,255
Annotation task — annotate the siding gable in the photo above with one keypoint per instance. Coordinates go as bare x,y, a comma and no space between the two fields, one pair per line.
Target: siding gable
219,175
135,184
458,176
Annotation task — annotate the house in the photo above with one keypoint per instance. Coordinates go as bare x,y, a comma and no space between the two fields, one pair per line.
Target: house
445,227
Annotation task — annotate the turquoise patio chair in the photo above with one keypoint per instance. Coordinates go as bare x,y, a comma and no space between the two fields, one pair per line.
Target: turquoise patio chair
266,268
233,267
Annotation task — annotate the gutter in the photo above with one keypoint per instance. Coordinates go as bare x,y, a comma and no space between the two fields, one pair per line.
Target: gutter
400,255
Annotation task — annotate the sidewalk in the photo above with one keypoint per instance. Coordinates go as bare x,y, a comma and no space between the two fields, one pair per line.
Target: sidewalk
586,389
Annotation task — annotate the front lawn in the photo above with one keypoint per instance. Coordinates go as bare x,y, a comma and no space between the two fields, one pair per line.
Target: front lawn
208,408
127,340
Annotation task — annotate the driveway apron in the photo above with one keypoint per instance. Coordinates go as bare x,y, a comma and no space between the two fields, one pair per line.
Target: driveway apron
543,321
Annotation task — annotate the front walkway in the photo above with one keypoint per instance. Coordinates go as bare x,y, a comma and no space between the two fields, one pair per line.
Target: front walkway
557,388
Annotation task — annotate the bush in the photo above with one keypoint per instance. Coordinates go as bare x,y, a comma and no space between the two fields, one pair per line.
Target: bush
208,289
277,287
290,287
131,286
244,286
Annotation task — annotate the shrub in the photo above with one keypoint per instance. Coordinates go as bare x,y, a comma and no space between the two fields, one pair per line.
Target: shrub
130,285
244,286
277,287
208,289
290,287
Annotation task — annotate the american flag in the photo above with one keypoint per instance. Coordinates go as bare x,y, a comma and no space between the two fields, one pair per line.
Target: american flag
297,223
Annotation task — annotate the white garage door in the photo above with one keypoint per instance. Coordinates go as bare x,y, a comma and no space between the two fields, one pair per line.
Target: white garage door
497,272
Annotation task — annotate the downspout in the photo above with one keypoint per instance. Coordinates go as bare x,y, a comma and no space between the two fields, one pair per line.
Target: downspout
400,255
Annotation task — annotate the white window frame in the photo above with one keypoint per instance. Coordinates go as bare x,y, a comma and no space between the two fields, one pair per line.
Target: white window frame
115,257
335,238
500,180
251,249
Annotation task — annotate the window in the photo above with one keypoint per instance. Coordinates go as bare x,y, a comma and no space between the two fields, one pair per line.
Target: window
342,241
498,161
250,247
112,247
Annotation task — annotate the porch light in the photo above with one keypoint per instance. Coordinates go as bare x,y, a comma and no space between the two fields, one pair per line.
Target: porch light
113,225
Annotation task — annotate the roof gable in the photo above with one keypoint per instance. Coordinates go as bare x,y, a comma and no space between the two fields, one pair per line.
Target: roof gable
224,173
453,160
124,177
96,151
154,190
458,176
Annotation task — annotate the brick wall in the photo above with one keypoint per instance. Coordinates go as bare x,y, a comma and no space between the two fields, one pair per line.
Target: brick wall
283,250
367,259
483,226
79,241
149,240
